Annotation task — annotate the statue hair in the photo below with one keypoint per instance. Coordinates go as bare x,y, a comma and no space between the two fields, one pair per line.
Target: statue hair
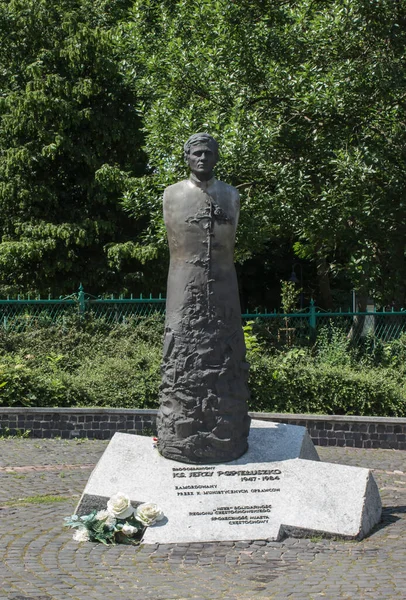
201,138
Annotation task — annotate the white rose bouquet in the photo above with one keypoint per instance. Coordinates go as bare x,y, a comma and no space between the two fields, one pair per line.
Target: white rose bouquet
119,523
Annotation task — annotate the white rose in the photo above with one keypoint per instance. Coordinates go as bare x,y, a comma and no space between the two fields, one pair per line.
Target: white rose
81,535
102,515
149,513
129,530
120,506
107,517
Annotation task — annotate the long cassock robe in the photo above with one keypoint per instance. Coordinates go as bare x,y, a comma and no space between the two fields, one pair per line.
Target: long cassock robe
203,400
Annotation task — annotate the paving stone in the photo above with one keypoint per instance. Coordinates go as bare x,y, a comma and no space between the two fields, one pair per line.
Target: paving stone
39,560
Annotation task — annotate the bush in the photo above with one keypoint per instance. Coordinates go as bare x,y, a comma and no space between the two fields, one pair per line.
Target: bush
92,363
394,354
301,386
22,383
127,381
333,347
86,364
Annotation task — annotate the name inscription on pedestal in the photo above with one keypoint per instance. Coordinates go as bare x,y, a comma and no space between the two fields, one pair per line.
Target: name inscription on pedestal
200,484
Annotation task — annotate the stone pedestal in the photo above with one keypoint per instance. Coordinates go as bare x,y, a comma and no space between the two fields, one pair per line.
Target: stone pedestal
278,487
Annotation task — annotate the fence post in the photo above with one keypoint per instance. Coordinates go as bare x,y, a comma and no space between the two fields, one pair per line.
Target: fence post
312,315
82,304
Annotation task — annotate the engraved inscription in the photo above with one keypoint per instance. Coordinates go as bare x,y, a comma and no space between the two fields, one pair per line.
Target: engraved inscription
238,515
210,488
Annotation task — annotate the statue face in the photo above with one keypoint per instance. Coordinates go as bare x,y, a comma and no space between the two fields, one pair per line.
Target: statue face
201,160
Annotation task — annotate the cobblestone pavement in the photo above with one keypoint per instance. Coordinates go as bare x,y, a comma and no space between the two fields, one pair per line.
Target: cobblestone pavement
39,560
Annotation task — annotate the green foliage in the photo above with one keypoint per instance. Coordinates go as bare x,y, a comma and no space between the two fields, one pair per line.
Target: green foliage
7,433
91,364
70,138
289,296
250,338
27,385
40,499
394,354
333,377
127,377
301,386
333,347
307,100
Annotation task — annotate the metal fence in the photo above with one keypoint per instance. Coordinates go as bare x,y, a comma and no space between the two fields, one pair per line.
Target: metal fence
23,313
305,327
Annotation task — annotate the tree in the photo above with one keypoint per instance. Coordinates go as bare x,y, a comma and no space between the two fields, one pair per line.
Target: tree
308,102
69,141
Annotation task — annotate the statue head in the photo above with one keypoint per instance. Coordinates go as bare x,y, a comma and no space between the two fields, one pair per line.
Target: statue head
201,154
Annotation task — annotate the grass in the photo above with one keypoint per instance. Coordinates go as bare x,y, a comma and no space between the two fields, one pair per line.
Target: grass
13,434
45,499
